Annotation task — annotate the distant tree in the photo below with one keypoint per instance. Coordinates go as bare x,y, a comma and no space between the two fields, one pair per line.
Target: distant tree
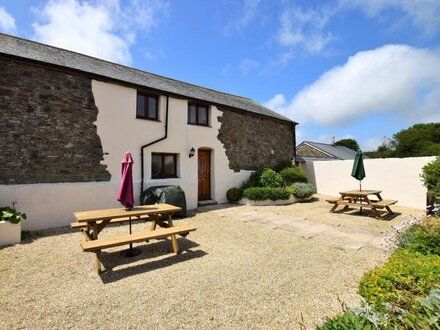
416,141
349,143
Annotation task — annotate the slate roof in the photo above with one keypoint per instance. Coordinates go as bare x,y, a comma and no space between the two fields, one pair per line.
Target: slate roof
334,152
35,51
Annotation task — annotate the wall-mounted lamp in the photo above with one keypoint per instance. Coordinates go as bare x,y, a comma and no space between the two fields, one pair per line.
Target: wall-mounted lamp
192,152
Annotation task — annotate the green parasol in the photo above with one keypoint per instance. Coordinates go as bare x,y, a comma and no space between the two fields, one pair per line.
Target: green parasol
358,171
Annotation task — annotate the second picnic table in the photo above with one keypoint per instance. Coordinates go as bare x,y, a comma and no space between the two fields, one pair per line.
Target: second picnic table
360,199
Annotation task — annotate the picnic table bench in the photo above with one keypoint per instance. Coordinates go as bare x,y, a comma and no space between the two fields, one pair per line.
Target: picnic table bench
360,199
93,222
83,225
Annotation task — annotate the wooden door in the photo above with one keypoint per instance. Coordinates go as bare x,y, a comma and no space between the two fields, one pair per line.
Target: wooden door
204,174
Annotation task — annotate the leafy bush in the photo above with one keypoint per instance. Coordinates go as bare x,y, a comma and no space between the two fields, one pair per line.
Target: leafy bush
303,190
423,238
397,290
270,179
282,165
404,277
260,193
348,320
424,314
291,190
254,180
431,176
430,310
9,214
293,174
234,194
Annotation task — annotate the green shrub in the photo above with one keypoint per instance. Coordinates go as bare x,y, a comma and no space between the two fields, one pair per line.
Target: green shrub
291,190
303,190
423,238
424,314
293,174
9,214
349,321
282,165
431,175
234,194
405,277
270,179
254,180
260,193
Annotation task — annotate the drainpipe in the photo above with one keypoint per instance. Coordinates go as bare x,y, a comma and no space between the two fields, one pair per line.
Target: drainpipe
151,143
294,141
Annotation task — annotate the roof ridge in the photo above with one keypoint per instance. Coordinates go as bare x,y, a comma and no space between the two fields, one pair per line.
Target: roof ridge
52,55
122,65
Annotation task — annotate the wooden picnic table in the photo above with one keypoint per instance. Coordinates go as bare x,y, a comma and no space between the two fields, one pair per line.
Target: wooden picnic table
361,199
93,222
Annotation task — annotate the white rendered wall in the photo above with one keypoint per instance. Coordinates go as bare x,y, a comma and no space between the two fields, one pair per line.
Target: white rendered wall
51,205
397,178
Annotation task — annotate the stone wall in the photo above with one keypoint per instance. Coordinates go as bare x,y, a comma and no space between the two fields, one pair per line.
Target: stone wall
253,141
307,151
47,133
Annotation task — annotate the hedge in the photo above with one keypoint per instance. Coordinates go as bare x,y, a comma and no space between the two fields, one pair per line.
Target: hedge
260,194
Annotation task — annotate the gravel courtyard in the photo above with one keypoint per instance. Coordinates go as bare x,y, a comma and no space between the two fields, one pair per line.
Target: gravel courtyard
245,267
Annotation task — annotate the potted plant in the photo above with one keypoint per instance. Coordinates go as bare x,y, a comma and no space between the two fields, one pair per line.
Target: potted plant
10,225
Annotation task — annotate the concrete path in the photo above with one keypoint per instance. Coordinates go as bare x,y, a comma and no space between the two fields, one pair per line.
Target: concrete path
338,235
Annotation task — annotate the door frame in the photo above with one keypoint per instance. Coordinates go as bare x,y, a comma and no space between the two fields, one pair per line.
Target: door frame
209,177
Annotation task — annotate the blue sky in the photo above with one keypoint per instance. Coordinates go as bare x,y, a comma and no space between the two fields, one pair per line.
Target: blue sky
361,69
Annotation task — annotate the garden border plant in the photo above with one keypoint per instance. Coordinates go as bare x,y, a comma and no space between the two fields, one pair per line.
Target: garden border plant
11,215
404,293
282,184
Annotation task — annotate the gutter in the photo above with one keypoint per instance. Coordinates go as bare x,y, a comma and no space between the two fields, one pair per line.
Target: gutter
153,142
294,140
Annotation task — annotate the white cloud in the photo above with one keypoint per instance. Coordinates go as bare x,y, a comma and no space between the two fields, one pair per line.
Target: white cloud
101,28
7,22
305,28
395,78
276,102
423,13
249,12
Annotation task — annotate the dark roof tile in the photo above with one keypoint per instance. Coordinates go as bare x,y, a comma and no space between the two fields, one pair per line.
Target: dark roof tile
35,51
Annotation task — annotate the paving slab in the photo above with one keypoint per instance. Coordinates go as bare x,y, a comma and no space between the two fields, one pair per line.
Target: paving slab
336,234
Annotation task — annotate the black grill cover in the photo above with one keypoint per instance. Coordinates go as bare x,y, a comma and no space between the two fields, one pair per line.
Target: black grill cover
173,195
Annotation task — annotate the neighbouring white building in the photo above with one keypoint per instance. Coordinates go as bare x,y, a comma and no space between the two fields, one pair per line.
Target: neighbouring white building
67,120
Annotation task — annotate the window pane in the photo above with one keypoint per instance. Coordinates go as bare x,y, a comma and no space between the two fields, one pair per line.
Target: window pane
203,116
191,114
152,107
156,166
140,106
169,166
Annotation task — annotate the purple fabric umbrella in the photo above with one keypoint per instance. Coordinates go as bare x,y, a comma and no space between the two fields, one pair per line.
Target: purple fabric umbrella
125,191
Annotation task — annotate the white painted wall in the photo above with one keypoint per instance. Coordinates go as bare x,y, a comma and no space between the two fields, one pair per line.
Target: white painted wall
51,205
397,178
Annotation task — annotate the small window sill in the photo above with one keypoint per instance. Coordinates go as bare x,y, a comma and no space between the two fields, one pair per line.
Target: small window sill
165,177
199,125
150,119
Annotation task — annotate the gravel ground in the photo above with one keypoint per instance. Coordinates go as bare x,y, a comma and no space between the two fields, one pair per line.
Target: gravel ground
230,275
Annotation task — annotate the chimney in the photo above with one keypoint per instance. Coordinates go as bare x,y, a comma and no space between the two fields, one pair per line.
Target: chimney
333,140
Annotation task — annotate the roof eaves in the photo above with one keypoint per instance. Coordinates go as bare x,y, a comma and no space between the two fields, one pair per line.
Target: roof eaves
310,144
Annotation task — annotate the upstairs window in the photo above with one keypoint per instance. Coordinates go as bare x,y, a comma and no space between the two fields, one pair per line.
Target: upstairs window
147,106
163,165
197,114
